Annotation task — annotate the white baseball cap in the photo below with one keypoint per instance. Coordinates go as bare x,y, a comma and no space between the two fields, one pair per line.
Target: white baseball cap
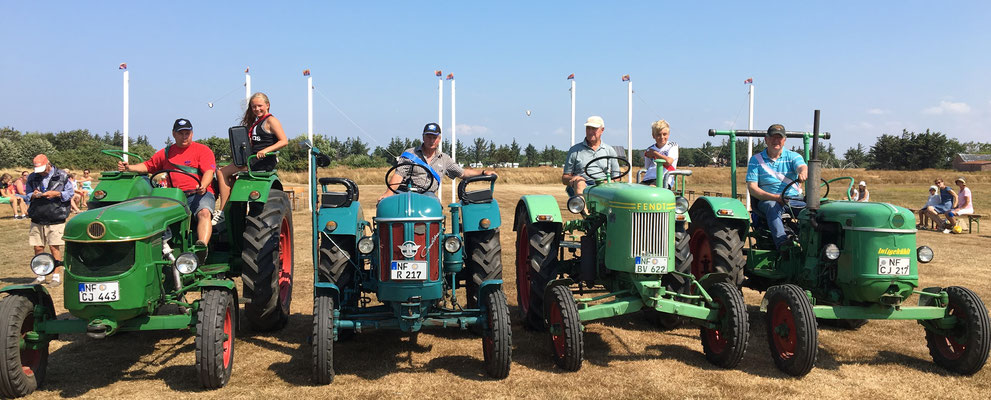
594,121
862,183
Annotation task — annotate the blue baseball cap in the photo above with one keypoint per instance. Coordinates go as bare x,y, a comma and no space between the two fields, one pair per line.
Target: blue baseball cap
431,129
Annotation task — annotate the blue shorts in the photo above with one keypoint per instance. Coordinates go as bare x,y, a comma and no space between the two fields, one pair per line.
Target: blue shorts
198,202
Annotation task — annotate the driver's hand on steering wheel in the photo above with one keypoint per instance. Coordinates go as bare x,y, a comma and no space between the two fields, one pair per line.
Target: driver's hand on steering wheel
200,190
576,178
122,166
780,198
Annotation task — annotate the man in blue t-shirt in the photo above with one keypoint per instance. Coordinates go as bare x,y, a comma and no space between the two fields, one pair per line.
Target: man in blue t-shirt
768,173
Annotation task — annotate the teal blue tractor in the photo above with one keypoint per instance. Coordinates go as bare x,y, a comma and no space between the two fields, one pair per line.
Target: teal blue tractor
412,260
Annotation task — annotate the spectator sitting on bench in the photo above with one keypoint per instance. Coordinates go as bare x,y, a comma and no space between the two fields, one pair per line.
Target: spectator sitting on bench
965,204
947,200
931,202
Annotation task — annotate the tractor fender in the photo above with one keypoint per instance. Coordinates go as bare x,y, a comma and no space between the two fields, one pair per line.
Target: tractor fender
713,278
722,207
263,183
217,284
37,292
550,286
349,220
472,215
484,289
327,288
538,204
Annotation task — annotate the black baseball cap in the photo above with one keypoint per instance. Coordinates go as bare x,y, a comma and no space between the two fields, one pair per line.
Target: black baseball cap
431,129
776,129
182,124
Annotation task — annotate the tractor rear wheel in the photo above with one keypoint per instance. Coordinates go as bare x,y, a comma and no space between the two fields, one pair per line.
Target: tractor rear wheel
338,264
674,283
567,340
497,338
536,250
716,245
484,261
323,339
23,370
965,349
726,345
791,329
215,327
268,262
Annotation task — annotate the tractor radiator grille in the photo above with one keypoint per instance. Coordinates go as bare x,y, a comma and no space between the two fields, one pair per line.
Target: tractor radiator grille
98,259
649,234
426,235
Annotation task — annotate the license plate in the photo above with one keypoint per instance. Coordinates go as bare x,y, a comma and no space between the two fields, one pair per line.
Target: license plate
408,271
899,266
650,265
98,292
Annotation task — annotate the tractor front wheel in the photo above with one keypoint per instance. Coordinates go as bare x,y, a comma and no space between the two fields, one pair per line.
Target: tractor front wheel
726,345
965,349
791,329
268,262
23,369
484,261
497,344
716,245
323,339
536,249
567,341
215,327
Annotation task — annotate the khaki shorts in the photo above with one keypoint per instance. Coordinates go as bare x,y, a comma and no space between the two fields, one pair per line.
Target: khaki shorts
46,235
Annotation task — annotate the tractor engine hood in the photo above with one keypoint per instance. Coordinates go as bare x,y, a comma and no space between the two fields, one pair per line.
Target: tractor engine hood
868,216
129,220
409,205
633,197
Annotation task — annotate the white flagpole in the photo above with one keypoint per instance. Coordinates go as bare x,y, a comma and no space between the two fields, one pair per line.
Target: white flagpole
247,87
454,143
309,135
440,124
127,100
750,140
629,126
572,112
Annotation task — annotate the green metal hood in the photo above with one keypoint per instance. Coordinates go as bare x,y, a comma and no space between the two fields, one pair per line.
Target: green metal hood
627,196
851,214
129,220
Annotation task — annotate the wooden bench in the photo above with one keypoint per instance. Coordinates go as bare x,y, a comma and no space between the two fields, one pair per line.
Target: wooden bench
971,220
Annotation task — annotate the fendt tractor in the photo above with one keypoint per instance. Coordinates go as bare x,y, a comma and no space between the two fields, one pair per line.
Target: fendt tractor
131,264
847,262
627,252
409,263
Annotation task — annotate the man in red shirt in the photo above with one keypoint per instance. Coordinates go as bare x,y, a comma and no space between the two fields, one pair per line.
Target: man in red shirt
194,158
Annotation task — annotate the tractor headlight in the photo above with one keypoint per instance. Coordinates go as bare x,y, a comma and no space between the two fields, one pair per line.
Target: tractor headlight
680,205
43,264
452,244
831,252
576,204
99,194
366,245
186,263
925,254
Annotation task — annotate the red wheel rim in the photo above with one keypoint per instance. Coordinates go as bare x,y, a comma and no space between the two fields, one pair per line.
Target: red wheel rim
947,346
30,359
229,342
783,331
285,263
557,325
701,251
717,342
523,267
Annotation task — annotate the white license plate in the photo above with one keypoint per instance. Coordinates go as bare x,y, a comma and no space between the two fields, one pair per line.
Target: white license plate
650,265
408,271
98,292
893,266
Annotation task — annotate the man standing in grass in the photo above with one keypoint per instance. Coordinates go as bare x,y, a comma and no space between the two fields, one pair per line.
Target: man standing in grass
51,193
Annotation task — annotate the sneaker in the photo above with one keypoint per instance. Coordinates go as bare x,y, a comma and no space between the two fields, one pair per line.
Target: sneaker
56,279
201,254
218,215
40,280
946,230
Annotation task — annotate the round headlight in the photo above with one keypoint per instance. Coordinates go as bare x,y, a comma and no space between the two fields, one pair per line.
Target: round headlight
187,263
576,204
925,254
680,205
99,194
452,244
366,245
831,252
43,264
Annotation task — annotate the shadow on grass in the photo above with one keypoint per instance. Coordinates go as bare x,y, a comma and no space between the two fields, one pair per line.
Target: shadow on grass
18,281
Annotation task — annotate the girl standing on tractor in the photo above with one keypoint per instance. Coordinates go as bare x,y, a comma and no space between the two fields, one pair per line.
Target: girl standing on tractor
266,136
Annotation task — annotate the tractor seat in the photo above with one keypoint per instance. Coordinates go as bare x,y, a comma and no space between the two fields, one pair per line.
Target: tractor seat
334,199
477,196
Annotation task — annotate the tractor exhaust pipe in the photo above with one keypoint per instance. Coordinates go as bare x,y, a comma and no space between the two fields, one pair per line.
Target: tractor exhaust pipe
815,169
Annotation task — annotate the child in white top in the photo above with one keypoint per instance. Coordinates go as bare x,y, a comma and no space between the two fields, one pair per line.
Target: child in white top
663,149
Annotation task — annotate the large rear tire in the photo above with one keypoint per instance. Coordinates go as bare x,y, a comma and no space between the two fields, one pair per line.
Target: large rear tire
23,370
484,261
716,245
725,346
497,337
791,329
338,257
536,252
215,331
323,339
965,350
567,339
674,283
268,262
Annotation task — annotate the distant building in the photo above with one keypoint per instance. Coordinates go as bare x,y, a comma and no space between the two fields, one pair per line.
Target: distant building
972,162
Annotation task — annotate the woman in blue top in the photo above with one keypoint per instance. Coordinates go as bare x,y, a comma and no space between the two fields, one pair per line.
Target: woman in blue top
947,200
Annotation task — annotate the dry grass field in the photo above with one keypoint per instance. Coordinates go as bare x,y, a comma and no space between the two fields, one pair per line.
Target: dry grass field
625,357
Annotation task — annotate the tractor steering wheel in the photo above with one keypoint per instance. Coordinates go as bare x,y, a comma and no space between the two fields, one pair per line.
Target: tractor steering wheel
168,179
849,187
408,182
603,171
784,195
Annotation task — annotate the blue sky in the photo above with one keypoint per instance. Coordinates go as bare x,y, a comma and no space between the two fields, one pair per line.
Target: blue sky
871,67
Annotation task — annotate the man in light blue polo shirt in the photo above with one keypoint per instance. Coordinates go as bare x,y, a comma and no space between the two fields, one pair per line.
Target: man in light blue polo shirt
768,173
581,153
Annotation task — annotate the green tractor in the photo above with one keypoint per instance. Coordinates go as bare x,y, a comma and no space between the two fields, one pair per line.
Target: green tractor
627,253
849,262
131,265
414,269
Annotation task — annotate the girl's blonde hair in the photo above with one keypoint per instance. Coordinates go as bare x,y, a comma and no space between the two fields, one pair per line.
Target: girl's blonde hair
657,126
249,116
